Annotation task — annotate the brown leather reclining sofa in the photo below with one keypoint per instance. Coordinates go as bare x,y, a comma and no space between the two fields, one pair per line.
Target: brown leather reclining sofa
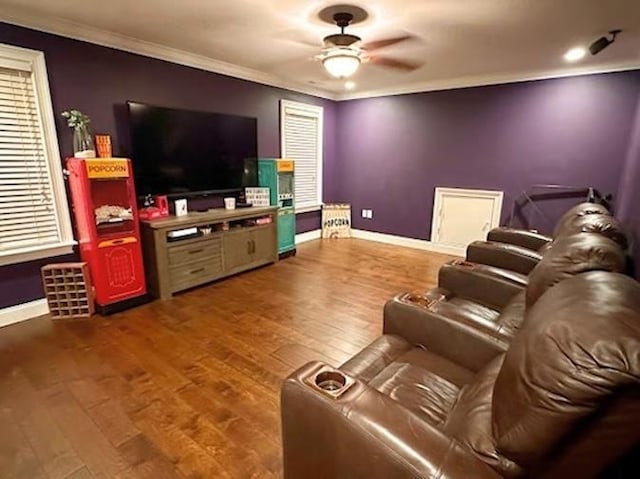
481,379
562,402
491,305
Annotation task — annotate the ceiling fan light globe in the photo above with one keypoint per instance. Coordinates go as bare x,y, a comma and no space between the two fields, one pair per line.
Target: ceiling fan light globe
341,65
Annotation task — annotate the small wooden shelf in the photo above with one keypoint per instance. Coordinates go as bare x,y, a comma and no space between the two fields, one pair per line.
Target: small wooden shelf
68,290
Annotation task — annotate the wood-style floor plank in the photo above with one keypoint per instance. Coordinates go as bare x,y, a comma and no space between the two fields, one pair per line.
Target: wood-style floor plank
189,388
82,473
17,458
147,461
56,456
100,457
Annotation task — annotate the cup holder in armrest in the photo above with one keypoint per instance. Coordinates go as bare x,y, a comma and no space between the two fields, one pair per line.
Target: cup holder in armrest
463,263
422,300
330,382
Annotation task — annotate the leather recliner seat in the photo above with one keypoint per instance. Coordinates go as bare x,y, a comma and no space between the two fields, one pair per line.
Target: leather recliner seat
562,402
492,306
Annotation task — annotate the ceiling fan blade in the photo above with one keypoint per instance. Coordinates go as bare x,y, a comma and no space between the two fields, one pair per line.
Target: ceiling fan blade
393,63
386,42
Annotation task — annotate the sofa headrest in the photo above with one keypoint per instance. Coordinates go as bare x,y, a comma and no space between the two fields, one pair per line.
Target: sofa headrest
605,225
581,209
571,255
572,375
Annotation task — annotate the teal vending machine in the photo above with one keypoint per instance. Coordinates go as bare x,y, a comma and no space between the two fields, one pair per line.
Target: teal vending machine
277,174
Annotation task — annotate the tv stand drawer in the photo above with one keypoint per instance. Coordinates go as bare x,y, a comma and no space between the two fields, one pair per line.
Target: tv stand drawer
189,275
195,252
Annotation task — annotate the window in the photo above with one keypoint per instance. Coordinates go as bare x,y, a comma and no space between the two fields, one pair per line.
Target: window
301,136
34,215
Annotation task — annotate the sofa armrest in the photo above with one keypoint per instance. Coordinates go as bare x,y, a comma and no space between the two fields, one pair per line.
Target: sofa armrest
526,239
503,255
364,434
487,285
470,346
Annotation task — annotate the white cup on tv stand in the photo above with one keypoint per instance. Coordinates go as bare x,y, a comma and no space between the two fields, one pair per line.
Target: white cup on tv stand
229,203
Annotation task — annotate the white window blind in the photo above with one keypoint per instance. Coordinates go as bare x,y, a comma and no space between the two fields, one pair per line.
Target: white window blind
301,132
30,204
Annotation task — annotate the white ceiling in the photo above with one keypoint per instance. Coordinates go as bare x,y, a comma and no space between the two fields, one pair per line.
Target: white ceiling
459,42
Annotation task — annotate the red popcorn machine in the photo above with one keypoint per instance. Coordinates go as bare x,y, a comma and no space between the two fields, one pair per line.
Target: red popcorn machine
104,205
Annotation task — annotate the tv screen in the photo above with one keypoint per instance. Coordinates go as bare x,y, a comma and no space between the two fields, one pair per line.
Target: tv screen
187,153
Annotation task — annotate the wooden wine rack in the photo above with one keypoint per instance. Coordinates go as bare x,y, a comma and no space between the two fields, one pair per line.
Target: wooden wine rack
68,290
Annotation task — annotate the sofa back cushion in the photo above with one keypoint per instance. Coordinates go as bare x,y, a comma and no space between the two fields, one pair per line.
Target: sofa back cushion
469,421
605,225
581,209
566,401
571,255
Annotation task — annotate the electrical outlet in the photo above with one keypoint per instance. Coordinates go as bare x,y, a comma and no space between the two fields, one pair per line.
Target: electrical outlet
364,213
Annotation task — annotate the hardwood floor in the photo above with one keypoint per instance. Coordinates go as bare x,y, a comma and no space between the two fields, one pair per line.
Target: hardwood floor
189,387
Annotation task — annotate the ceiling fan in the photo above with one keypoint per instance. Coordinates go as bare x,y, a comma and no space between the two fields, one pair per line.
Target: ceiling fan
343,53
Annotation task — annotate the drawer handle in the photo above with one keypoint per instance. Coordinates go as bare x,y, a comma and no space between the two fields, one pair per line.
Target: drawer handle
195,271
196,251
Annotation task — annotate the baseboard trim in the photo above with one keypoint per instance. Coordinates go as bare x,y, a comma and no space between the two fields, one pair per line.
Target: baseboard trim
407,242
308,236
24,311
388,239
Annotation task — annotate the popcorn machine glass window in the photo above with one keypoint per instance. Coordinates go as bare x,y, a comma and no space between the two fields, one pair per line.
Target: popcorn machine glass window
111,206
285,184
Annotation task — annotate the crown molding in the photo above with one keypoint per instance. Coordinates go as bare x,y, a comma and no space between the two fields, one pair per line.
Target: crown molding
486,80
77,31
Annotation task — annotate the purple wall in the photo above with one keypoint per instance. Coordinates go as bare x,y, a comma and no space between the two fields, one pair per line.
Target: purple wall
309,221
387,154
98,81
629,198
393,151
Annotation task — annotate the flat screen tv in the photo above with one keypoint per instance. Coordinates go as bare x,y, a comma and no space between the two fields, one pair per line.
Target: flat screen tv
184,153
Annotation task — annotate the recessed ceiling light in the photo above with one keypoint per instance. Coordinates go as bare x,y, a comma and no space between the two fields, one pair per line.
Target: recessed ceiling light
349,85
575,54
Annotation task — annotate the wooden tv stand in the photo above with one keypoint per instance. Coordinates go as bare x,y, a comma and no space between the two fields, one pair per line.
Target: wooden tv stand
173,265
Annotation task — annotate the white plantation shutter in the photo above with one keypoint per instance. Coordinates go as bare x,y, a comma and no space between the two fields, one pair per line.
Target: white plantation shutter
27,212
30,209
301,131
